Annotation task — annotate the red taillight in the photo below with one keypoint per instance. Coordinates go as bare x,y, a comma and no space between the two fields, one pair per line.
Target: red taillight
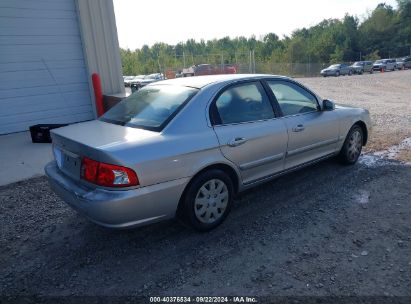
107,175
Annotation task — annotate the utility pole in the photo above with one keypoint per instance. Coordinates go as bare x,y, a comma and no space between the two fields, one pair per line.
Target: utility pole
309,64
222,62
184,60
249,67
253,61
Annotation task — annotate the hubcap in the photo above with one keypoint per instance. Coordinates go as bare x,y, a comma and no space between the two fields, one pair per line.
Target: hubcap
354,145
211,201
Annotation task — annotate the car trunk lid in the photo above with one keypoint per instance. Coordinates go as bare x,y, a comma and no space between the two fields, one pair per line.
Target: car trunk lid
93,139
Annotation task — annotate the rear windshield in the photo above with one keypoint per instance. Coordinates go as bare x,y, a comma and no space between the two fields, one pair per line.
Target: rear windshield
150,108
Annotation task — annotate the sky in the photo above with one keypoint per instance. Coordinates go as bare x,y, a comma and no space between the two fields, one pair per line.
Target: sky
173,21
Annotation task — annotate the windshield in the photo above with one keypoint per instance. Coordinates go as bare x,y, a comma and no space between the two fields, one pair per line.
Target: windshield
379,61
357,63
334,66
150,108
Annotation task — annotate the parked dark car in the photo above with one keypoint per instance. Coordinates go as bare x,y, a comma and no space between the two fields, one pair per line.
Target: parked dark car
337,70
404,63
360,67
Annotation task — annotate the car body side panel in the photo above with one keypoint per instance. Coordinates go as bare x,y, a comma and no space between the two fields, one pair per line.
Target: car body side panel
171,158
319,137
263,151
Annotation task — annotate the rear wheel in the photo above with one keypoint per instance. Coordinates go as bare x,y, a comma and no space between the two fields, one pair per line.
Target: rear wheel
337,74
351,150
207,200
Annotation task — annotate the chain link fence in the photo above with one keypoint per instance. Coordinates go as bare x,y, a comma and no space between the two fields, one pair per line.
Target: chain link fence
190,64
239,63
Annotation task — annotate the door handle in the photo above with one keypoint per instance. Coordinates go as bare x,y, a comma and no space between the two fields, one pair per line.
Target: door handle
237,141
298,128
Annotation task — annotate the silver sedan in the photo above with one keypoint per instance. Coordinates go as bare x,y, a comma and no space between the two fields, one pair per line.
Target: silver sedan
185,147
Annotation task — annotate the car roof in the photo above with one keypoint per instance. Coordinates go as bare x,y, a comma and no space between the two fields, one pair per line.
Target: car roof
202,81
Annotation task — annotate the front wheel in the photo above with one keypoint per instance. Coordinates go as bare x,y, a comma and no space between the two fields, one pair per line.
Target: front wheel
207,200
351,150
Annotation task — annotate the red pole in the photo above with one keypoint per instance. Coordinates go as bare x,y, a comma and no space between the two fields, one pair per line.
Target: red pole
98,93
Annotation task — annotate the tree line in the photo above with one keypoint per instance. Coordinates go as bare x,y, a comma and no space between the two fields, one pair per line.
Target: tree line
384,33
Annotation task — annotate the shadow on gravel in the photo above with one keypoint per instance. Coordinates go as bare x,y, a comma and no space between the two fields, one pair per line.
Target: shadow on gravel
302,228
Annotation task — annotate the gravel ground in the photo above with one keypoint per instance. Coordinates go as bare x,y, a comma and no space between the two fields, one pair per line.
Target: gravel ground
328,230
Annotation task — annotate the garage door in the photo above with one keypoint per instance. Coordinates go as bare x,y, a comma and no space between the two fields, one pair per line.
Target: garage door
43,76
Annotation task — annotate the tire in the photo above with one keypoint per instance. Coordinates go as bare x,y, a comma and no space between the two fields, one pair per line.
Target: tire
351,150
372,72
337,74
200,205
350,73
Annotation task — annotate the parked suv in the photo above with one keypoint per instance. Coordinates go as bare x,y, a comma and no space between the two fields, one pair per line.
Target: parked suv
385,65
360,67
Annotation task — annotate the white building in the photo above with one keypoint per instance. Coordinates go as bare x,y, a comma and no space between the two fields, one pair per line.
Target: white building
48,51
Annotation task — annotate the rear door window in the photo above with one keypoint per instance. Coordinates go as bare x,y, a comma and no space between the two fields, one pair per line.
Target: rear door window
244,103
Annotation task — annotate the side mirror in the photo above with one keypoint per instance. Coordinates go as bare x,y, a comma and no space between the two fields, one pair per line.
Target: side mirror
328,105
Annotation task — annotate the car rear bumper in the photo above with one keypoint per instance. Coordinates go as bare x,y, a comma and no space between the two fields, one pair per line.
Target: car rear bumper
118,208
